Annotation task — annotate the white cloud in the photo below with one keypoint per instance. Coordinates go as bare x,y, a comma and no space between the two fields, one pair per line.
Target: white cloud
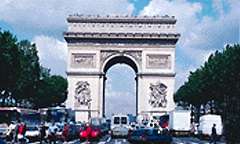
199,36
52,53
120,90
123,102
49,16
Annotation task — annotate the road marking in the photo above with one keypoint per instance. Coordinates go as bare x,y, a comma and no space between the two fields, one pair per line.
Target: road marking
109,139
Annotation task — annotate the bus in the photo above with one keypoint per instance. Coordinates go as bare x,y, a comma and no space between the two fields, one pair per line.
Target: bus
10,115
57,114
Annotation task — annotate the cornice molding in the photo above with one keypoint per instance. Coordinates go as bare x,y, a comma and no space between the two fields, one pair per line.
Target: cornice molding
157,74
82,35
76,18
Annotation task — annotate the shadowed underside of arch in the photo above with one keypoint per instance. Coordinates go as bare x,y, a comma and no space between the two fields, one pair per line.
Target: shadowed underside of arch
119,60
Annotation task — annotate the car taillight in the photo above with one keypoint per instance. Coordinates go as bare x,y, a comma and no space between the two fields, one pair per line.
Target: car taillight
165,125
94,133
83,134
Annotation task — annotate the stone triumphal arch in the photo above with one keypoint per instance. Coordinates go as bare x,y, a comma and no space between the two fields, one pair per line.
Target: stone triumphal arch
95,43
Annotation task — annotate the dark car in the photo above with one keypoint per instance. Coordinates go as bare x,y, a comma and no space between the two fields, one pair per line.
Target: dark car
32,133
149,136
2,141
101,124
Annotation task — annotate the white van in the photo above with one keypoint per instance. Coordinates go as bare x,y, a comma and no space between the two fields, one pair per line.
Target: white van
119,125
206,123
180,122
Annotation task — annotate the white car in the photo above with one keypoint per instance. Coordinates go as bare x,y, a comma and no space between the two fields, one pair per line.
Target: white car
32,133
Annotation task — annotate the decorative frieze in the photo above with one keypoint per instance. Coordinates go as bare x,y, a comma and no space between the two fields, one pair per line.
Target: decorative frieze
158,93
104,55
82,94
136,55
158,61
83,60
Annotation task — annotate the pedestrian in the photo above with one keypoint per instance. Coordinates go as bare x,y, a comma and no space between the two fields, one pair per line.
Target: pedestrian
65,132
15,135
192,130
11,131
52,133
42,133
21,132
214,134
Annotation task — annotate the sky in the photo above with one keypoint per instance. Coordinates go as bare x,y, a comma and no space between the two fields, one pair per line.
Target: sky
205,26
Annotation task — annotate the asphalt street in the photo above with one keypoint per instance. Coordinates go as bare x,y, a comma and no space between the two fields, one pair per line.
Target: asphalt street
108,140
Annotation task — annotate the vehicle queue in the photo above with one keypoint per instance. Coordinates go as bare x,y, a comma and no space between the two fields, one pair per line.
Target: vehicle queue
57,124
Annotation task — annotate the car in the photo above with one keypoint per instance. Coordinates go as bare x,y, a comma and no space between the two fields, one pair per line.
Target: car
4,130
32,133
90,132
2,141
149,136
70,132
120,125
101,124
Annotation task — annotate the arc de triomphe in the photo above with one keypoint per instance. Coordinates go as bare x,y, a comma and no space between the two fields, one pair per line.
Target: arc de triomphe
95,43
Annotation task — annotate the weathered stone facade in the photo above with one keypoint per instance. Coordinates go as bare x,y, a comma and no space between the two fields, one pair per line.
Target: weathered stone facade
95,43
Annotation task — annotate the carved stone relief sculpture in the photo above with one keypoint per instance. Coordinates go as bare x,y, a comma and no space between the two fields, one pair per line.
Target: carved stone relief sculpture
83,60
137,55
82,94
158,95
158,61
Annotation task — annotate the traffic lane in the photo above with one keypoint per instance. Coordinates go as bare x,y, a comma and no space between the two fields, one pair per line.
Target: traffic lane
108,140
191,140
118,141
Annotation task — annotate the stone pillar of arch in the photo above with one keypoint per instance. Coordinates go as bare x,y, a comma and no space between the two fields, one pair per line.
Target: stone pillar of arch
147,44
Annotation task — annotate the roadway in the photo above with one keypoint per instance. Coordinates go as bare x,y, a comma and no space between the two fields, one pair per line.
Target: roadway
108,140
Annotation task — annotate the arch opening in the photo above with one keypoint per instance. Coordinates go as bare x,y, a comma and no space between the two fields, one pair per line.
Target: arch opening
121,71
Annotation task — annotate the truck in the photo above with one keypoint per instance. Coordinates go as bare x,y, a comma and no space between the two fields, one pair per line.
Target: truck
206,123
180,122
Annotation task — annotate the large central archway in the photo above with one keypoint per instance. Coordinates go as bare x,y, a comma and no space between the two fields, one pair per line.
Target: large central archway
119,59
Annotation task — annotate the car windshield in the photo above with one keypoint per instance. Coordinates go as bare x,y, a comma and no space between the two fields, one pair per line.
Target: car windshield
116,120
164,121
138,132
152,132
32,128
95,122
123,120
8,115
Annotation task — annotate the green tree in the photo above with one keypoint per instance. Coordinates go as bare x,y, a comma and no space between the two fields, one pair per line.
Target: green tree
23,81
9,66
217,82
52,91
26,88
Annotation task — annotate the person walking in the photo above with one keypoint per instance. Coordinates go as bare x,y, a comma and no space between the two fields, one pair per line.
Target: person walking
42,133
214,135
22,128
65,132
52,133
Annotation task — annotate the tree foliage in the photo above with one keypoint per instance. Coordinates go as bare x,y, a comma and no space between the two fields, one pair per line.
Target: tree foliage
23,81
218,82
